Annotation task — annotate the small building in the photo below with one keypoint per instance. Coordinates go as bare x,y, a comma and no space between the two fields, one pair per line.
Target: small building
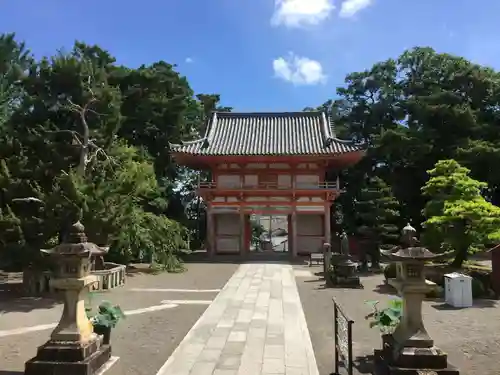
268,164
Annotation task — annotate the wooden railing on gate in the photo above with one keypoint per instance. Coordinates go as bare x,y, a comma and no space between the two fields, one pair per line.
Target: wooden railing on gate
270,186
343,339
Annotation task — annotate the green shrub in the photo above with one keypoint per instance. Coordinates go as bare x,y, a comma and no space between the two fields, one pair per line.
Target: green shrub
478,289
108,315
435,293
483,276
385,319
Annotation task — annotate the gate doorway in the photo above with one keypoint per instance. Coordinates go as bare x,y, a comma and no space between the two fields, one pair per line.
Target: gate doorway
269,234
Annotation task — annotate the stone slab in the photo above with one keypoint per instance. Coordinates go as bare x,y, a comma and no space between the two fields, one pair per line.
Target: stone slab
255,325
89,366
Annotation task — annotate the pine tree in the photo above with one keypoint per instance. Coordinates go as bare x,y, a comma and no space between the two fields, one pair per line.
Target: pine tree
377,217
458,216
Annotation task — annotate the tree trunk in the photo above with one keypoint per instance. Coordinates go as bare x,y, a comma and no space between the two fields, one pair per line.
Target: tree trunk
375,255
460,256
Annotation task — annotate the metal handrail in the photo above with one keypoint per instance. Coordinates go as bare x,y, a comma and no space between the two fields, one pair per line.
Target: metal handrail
269,185
343,339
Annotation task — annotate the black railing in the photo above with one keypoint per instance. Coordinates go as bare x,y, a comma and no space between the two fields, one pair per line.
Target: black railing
343,339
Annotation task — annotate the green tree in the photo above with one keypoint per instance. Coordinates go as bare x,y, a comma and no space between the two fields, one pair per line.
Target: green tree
413,111
15,59
257,231
86,138
377,217
457,215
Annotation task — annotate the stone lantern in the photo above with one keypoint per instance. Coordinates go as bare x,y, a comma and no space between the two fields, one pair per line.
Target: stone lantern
410,347
344,269
73,347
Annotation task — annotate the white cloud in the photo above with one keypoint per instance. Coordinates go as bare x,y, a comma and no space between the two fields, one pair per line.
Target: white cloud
297,13
350,7
189,60
299,70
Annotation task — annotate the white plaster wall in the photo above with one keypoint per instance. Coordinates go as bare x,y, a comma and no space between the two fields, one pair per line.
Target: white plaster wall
256,165
228,224
311,208
307,245
227,237
306,181
284,180
279,166
310,225
228,181
267,199
219,209
263,209
279,199
309,233
256,199
251,180
309,199
227,245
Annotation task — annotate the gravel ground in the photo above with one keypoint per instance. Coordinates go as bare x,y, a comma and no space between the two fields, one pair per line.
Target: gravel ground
29,311
143,342
469,336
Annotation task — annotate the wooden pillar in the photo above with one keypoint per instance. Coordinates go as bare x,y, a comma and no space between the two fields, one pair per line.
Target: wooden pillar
294,233
210,233
242,233
328,232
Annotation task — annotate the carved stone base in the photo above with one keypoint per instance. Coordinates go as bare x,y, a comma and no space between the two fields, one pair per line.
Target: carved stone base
411,361
349,281
60,358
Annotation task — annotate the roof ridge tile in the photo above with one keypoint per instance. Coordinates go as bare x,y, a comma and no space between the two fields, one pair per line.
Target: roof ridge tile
268,133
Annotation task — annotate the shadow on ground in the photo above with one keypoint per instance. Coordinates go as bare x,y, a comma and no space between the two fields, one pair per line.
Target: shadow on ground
12,300
267,257
7,372
384,289
364,364
141,269
361,364
478,304
320,274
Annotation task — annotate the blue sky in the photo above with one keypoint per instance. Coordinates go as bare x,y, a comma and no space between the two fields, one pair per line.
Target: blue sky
260,55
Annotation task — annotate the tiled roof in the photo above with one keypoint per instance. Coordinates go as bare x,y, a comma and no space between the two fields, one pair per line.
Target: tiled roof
291,133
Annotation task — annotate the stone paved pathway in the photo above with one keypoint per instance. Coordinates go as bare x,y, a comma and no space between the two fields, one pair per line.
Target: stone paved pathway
255,325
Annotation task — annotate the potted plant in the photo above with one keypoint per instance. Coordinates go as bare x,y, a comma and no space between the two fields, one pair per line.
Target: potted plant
386,319
107,317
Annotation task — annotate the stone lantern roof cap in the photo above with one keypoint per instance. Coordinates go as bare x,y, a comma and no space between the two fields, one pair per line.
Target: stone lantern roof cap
409,228
76,244
414,254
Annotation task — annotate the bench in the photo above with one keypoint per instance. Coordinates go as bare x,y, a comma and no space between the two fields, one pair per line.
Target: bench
319,258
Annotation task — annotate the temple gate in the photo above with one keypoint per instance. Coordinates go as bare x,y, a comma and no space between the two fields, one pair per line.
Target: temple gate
268,164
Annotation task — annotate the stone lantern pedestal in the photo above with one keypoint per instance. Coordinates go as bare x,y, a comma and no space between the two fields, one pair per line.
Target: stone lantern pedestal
345,271
410,350
73,348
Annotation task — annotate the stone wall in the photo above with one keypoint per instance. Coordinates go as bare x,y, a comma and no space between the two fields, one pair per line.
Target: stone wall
36,283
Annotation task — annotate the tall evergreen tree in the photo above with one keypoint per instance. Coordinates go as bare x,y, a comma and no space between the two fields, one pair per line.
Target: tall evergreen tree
377,217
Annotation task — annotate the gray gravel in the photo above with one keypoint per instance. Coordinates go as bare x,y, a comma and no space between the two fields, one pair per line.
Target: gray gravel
143,342
469,336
